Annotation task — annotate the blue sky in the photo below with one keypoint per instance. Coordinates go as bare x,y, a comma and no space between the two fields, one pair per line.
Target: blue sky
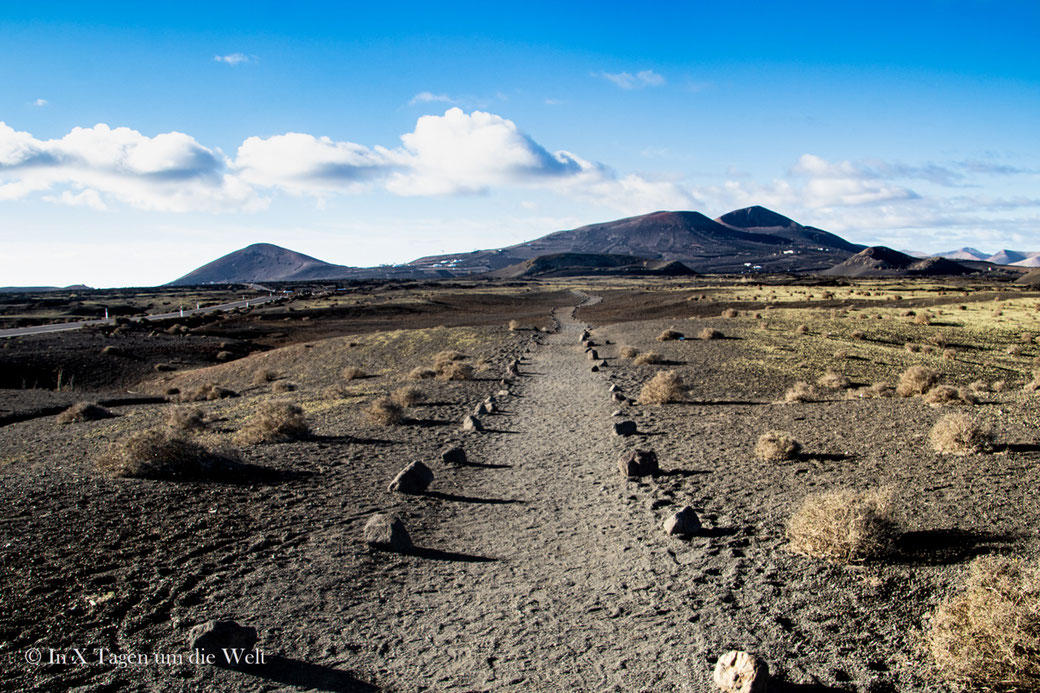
138,143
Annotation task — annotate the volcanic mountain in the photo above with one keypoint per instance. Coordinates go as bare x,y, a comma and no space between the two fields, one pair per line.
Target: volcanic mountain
879,261
582,265
754,238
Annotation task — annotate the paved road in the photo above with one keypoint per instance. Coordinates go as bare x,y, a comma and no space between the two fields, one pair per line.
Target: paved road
66,326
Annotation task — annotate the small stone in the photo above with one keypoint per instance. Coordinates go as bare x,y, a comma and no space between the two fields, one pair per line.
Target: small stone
454,455
490,399
594,369
491,407
638,463
617,412
387,532
593,355
472,423
481,409
684,523
741,672
619,398
625,428
502,393
214,636
603,364
415,478
613,388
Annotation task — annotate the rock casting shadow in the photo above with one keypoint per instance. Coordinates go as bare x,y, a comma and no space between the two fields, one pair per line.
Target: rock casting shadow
298,674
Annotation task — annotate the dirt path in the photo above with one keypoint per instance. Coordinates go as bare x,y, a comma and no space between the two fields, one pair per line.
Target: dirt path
577,596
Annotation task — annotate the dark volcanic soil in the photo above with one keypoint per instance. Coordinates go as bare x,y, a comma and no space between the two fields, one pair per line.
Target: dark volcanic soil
538,567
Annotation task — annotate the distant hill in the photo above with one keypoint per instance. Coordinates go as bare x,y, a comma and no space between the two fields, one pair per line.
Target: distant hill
578,264
40,289
879,261
1016,258
733,243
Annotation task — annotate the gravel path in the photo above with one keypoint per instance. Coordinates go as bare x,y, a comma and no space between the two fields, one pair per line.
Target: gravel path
577,596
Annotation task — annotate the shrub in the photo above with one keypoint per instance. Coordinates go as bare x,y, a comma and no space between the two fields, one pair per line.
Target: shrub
225,356
911,347
664,387
730,313
407,396
844,526
448,356
949,354
983,386
186,419
264,376
776,446
916,380
923,319
878,390
801,329
421,373
629,352
648,358
454,370
801,391
669,336
858,334
841,354
988,635
1014,350
274,422
283,386
206,393
957,434
709,333
514,325
155,454
383,411
1034,384
833,380
83,411
1000,385
944,394
352,373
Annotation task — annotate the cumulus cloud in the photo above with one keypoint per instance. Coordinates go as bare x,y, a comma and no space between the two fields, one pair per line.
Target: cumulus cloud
844,184
430,97
234,58
40,103
640,80
168,172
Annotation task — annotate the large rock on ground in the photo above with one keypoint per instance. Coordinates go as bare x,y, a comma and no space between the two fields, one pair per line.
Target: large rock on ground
625,428
472,423
415,478
214,636
387,532
741,672
684,523
454,455
481,409
593,355
638,463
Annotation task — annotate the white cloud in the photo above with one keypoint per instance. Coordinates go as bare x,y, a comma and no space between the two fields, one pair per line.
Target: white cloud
640,80
168,172
844,184
430,97
40,102
234,58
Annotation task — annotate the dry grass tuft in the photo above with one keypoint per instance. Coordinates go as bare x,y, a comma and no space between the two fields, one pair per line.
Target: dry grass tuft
407,396
1034,384
264,376
949,354
448,356
422,373
83,411
629,352
731,313
858,335
844,526
878,390
923,319
911,347
384,411
283,386
454,370
833,380
186,419
801,329
801,391
988,635
957,434
916,380
514,325
274,422
157,454
669,336
664,387
206,393
709,333
944,394
648,358
776,446
352,373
